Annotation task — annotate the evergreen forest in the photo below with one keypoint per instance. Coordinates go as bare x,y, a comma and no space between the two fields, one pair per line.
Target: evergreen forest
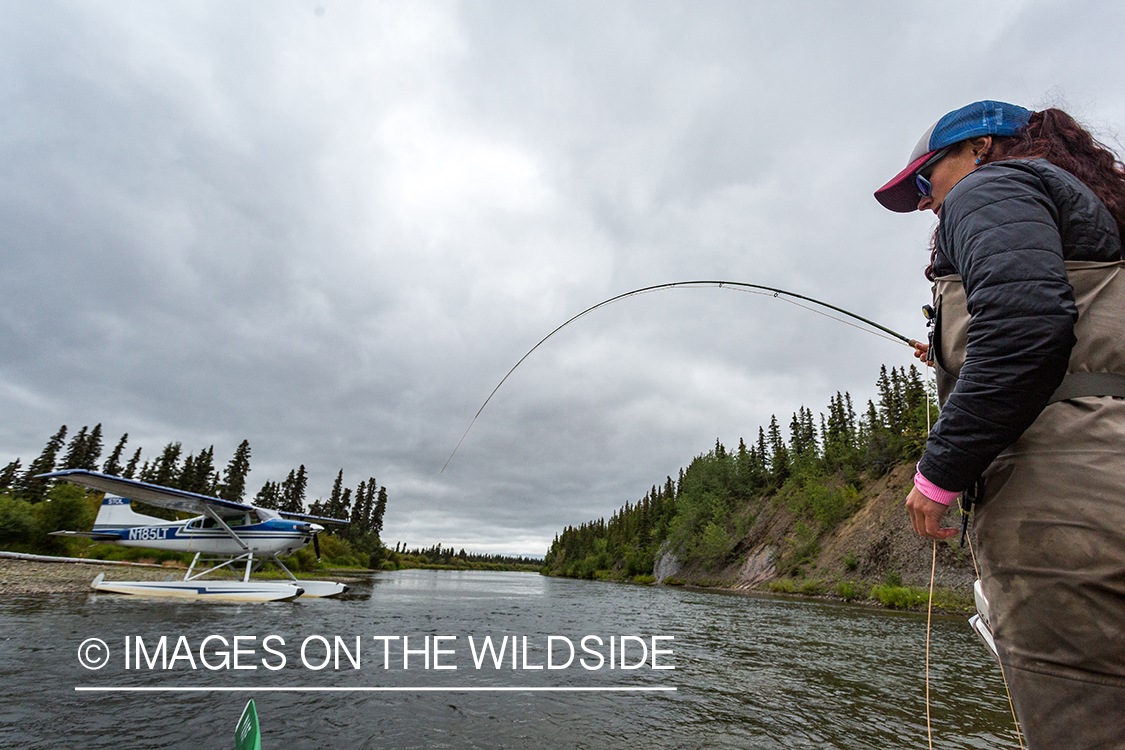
813,470
447,558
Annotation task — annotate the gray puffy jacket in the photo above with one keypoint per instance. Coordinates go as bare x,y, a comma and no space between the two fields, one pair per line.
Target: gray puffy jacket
1006,229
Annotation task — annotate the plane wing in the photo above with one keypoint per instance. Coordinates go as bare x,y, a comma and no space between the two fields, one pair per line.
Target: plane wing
153,494
307,517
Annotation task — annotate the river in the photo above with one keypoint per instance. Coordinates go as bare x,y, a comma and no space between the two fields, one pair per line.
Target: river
749,671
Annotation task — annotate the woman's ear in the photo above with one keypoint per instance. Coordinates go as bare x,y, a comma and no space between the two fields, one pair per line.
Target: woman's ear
981,147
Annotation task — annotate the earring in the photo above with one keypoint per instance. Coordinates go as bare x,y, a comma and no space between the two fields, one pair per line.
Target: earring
979,159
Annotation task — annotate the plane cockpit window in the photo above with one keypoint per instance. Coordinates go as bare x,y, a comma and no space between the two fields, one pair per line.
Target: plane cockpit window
246,519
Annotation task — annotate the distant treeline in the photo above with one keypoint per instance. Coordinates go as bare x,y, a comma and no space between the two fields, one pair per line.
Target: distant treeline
705,513
20,491
446,557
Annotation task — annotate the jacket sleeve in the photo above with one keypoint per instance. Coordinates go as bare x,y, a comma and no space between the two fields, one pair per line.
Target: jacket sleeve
1000,232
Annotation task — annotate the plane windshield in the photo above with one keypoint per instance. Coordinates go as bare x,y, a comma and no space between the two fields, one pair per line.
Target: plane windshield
247,519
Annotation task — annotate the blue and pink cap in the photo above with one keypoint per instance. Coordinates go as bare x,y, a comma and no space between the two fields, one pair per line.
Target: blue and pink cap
976,119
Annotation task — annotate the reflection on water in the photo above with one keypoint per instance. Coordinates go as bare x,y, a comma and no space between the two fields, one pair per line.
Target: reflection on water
751,672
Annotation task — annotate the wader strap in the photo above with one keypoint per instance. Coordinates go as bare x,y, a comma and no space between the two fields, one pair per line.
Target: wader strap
968,499
1078,384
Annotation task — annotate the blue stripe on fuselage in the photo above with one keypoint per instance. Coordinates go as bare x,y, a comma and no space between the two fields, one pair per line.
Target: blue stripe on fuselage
271,529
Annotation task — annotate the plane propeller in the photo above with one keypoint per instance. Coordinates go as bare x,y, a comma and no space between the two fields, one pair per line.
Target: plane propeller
314,530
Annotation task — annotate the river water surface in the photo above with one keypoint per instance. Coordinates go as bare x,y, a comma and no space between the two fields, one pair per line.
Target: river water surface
750,672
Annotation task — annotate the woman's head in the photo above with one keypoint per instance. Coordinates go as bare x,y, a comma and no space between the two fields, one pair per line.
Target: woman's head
985,118
990,131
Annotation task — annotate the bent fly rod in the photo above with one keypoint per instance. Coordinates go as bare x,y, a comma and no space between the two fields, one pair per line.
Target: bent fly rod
738,286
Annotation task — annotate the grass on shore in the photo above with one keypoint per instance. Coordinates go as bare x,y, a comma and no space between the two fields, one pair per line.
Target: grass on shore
892,595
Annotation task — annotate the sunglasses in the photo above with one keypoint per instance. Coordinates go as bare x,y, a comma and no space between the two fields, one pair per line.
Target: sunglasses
922,183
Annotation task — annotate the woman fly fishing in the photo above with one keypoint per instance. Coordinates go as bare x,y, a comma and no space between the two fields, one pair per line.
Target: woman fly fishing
1029,350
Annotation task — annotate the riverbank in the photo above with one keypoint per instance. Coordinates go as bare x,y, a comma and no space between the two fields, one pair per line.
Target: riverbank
40,574
500,567
19,577
869,555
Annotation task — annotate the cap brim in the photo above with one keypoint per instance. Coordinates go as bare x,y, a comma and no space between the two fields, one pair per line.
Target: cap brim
901,194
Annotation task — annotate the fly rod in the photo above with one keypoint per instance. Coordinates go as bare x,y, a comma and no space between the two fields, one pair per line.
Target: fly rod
741,286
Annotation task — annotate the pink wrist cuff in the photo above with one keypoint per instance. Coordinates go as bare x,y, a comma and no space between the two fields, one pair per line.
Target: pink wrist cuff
932,491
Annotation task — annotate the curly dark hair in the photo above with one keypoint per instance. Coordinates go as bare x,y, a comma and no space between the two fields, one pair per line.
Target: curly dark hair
1055,136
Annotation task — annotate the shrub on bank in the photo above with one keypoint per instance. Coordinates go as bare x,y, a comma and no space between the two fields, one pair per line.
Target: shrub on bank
913,597
336,552
26,527
899,597
17,522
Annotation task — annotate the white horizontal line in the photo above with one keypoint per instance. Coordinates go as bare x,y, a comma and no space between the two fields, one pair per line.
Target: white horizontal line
373,689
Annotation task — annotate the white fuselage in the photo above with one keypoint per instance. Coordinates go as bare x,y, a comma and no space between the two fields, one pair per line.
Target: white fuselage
262,532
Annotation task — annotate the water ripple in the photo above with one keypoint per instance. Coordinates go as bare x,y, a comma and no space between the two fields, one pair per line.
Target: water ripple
751,672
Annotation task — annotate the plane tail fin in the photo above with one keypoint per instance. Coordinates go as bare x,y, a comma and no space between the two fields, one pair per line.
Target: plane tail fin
117,512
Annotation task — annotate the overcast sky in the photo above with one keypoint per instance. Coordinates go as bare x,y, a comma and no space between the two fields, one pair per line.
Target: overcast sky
331,228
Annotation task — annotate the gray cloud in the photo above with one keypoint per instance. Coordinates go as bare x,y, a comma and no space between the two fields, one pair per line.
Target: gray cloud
333,233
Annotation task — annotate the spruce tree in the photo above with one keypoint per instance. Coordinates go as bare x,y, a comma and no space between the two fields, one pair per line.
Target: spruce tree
355,528
167,468
380,509
233,487
9,475
93,449
345,509
796,436
914,397
131,468
198,472
293,491
286,491
269,496
779,456
185,476
205,471
333,506
34,490
763,452
75,452
112,465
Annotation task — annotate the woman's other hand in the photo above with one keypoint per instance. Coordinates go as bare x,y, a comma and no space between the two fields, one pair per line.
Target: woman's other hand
925,516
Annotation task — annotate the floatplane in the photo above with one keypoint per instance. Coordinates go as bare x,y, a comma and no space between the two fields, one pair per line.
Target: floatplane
224,535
